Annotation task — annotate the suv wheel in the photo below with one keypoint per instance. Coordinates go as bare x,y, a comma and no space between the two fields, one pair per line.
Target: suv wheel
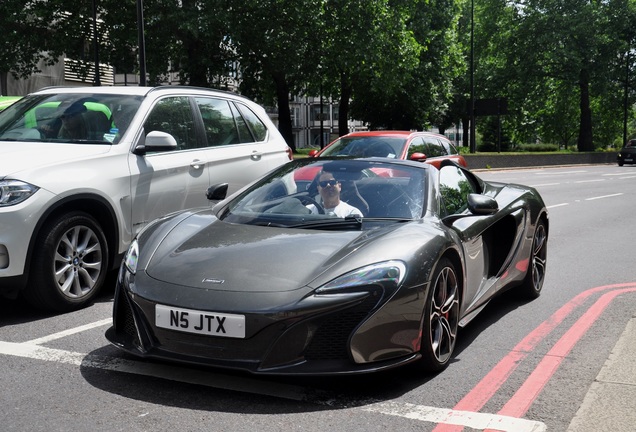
70,262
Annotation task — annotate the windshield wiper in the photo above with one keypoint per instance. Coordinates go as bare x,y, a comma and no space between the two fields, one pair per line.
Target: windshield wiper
349,221
353,221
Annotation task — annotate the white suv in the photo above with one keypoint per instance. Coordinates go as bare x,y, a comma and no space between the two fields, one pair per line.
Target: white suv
82,170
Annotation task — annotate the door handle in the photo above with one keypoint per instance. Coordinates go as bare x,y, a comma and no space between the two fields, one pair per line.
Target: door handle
197,164
256,156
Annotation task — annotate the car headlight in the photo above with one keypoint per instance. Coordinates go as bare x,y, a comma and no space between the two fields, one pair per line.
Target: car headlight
132,257
388,272
14,191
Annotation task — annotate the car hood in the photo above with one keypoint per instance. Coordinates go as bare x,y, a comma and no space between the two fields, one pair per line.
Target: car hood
21,156
248,258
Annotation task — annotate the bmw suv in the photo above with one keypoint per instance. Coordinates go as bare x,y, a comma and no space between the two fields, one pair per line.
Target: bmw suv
82,170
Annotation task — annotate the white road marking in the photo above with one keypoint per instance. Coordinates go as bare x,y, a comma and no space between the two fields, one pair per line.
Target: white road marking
69,332
558,205
544,184
560,173
479,421
590,181
603,196
32,350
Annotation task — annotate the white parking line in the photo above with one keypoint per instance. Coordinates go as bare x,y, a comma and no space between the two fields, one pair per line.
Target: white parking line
479,421
69,332
473,420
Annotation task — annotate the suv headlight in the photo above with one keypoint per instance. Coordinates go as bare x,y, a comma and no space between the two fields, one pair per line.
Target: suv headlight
14,191
388,274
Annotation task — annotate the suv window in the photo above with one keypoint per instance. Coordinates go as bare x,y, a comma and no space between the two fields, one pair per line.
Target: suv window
256,125
218,121
173,115
431,147
93,118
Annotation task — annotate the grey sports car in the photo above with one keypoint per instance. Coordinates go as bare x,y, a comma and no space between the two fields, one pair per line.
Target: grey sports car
374,264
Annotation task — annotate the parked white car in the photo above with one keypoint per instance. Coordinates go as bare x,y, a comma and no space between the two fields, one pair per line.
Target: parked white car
82,170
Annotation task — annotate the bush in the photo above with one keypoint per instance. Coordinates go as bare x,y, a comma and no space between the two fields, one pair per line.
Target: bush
538,148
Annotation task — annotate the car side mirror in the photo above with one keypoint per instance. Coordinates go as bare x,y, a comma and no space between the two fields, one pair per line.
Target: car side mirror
418,157
156,141
481,204
313,153
217,192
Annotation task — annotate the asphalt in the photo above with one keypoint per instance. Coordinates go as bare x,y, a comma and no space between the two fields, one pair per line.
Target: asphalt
610,403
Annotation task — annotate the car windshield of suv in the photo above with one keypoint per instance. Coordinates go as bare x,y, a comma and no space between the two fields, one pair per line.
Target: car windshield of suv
69,118
366,147
341,194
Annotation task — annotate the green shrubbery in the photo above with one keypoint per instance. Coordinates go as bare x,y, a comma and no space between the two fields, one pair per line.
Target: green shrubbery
541,147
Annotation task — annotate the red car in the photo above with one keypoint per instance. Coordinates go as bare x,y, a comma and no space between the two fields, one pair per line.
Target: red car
426,147
417,146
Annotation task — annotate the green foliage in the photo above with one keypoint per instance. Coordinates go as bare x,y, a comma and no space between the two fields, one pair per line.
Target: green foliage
566,68
538,148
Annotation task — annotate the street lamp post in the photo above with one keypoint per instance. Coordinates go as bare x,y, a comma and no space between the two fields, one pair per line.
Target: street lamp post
96,79
471,110
142,43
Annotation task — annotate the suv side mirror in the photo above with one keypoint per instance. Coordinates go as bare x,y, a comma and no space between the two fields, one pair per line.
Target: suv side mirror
156,141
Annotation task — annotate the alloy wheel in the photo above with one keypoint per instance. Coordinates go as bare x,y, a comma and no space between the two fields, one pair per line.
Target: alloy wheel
444,315
78,261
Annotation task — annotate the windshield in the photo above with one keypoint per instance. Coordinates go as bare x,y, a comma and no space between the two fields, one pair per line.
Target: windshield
69,117
328,193
366,146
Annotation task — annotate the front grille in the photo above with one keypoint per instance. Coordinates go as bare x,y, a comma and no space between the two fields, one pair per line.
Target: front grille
330,341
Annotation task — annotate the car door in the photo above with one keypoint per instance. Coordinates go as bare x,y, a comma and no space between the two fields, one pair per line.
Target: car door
167,181
237,150
455,186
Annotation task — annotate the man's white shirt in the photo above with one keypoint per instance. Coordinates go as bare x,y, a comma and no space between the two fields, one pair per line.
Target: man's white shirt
341,210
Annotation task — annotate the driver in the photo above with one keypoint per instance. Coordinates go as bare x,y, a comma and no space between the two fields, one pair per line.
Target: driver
329,189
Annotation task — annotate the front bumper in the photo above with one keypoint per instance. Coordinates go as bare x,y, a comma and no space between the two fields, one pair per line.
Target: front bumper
311,339
18,225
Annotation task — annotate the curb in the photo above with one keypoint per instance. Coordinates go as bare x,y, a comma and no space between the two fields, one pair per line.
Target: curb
609,403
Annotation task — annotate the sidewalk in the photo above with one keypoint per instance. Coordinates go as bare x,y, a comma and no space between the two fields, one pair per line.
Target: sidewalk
610,403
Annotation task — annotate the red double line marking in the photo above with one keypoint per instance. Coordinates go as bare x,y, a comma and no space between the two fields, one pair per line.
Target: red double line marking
519,404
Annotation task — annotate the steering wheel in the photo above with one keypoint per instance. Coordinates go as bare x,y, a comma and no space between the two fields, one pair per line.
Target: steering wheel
306,199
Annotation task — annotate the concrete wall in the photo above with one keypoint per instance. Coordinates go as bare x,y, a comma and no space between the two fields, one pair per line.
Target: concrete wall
495,160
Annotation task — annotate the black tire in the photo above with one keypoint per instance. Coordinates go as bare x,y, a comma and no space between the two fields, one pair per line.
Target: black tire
620,163
533,282
70,263
441,317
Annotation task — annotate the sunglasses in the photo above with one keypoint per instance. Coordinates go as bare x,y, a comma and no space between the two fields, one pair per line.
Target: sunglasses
325,183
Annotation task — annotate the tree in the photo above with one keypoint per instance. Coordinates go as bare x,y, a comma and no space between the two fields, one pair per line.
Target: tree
414,92
570,44
367,47
25,39
277,44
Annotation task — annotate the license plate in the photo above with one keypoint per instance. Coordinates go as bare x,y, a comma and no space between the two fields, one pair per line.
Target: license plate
200,322
629,160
